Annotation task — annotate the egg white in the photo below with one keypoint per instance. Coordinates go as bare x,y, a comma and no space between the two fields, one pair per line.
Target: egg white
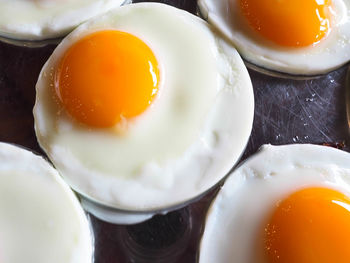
248,196
45,19
40,218
331,53
185,143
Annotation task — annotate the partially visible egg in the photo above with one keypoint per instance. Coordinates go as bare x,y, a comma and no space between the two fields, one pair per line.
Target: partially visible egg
284,204
40,218
45,19
305,37
143,108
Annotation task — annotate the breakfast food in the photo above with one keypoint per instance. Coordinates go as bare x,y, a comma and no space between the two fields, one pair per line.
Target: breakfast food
40,217
297,37
285,204
144,107
44,19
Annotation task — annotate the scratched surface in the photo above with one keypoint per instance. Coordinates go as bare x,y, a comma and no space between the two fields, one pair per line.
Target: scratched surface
286,111
308,111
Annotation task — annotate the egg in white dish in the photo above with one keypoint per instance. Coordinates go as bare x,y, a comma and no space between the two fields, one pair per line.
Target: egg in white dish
303,37
144,108
45,19
284,204
40,218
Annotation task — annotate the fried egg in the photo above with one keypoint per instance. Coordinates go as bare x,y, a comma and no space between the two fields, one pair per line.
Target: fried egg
305,37
284,204
45,19
40,218
143,108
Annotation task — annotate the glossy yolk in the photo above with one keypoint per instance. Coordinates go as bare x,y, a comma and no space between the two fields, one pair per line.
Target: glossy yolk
291,23
310,226
107,77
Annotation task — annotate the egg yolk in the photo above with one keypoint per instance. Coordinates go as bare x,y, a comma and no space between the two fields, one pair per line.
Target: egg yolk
107,77
310,226
290,23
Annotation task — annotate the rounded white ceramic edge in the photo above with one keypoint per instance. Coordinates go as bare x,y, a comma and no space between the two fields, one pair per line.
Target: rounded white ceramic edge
26,154
263,164
246,98
270,58
15,33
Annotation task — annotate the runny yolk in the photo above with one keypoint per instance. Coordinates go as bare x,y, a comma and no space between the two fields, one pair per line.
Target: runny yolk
290,23
107,77
310,226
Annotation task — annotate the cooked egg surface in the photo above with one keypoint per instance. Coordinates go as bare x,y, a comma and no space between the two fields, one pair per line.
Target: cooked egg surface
44,19
175,107
311,225
40,218
297,37
285,204
111,61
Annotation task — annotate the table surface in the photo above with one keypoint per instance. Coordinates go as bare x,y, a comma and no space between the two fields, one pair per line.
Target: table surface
286,111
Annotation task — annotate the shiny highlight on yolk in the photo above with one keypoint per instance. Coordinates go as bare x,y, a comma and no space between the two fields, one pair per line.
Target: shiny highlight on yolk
107,77
290,23
310,226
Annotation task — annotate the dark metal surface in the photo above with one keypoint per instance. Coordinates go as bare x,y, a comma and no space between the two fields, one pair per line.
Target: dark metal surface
291,111
287,111
348,97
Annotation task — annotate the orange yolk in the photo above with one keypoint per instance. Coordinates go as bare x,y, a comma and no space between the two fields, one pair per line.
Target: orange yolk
290,23
310,226
106,77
